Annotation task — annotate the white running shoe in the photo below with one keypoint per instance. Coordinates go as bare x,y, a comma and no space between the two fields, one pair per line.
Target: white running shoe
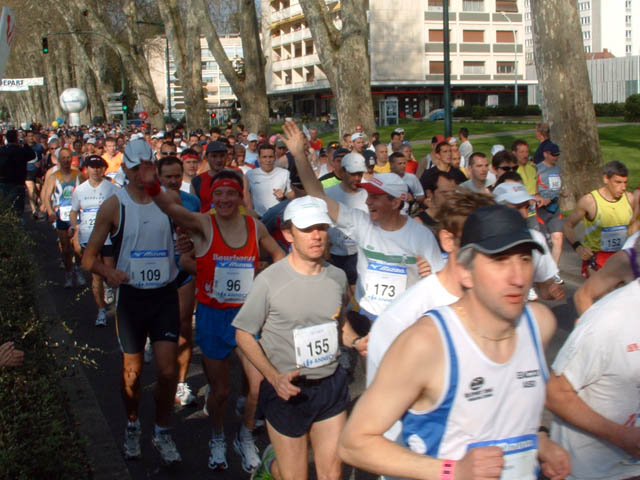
148,351
101,321
558,280
217,454
533,296
184,395
131,446
207,391
166,448
109,295
68,280
248,451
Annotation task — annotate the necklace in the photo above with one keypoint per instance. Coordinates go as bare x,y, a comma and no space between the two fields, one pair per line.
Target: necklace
462,313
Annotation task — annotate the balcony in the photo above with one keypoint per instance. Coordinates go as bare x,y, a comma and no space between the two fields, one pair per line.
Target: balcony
297,62
315,85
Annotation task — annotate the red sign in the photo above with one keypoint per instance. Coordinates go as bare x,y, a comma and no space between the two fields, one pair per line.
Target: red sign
143,116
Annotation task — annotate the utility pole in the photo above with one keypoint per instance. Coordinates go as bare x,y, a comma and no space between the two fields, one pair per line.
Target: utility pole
447,69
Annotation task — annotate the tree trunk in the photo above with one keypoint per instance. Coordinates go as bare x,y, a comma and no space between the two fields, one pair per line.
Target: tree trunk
184,38
249,85
567,103
344,55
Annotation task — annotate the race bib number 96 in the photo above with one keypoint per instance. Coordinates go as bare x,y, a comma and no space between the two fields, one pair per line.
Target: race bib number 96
232,280
316,345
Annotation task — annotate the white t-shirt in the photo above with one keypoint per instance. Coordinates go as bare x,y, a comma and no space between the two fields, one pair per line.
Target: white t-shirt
465,149
544,267
415,189
601,361
262,184
185,187
251,158
87,200
491,178
387,259
340,243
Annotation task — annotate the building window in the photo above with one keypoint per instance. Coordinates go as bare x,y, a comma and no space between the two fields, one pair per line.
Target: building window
435,6
627,4
226,91
627,34
510,6
527,29
527,16
587,48
627,19
627,49
436,35
473,68
528,42
585,20
506,67
473,36
586,34
436,67
528,57
504,36
583,6
473,5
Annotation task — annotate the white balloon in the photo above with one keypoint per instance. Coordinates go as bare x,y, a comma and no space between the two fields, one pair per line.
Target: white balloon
73,100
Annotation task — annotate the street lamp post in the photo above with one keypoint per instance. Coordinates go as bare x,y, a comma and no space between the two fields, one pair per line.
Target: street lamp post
166,59
447,69
515,57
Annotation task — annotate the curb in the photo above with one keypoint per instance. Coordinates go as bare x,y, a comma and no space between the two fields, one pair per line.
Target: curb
92,426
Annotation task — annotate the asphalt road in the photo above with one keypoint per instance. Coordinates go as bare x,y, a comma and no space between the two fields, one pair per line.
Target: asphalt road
100,412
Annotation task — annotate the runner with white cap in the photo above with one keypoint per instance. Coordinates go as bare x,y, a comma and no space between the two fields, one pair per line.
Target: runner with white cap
393,250
147,304
304,395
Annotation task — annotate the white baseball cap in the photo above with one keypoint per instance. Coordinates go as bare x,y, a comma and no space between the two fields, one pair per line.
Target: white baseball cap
137,151
307,211
354,163
252,137
356,135
386,183
496,148
512,192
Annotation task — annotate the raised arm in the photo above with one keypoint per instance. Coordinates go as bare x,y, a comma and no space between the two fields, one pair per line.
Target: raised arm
295,143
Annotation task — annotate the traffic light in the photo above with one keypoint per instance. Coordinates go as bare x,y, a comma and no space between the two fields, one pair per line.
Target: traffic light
45,45
213,114
125,107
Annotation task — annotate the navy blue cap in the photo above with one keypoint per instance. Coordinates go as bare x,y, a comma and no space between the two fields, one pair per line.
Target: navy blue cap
552,148
369,157
340,152
216,147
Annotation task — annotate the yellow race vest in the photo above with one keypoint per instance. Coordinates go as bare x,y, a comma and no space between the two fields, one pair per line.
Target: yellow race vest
607,232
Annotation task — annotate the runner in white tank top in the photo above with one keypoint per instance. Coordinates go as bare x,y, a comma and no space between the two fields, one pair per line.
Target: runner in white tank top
466,380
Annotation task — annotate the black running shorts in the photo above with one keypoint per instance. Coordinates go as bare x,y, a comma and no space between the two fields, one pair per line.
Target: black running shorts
140,312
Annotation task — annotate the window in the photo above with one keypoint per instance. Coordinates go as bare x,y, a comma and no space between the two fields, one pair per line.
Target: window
507,6
583,6
205,52
528,42
436,67
473,36
586,34
310,77
527,16
436,35
209,66
297,50
627,34
528,57
504,36
473,68
473,5
627,48
587,48
435,6
506,67
527,29
207,79
585,20
627,4
226,91
627,19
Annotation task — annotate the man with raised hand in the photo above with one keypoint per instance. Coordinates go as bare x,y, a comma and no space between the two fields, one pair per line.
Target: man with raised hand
393,250
467,381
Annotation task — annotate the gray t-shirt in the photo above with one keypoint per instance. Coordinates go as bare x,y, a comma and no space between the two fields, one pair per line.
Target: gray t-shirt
282,300
549,180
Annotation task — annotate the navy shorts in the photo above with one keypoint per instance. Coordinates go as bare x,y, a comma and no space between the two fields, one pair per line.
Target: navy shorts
318,400
215,335
183,278
61,224
105,251
150,312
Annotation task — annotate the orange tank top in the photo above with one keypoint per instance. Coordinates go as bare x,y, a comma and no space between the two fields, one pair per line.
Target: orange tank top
224,275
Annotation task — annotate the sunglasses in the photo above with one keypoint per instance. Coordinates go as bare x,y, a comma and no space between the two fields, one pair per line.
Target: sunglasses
509,169
166,153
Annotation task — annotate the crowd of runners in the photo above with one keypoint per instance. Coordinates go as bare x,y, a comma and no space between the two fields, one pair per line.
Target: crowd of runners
290,253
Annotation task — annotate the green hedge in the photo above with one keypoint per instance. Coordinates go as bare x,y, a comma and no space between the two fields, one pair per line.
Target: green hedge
632,108
37,439
478,112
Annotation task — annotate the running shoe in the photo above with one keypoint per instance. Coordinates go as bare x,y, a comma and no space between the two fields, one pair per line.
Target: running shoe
184,395
80,280
131,446
217,454
248,451
148,351
166,448
109,296
207,391
68,280
263,472
533,296
557,280
101,321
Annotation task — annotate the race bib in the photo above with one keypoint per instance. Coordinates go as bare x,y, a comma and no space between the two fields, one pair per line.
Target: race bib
149,268
384,283
612,238
316,345
88,221
520,456
555,182
64,212
232,280
111,175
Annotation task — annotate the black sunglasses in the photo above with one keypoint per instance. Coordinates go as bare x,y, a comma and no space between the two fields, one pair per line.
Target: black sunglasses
509,169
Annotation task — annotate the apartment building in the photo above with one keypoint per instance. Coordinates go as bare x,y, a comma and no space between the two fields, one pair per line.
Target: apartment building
216,88
406,52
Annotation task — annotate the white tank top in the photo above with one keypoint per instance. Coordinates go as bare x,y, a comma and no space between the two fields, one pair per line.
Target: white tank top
87,200
143,244
484,403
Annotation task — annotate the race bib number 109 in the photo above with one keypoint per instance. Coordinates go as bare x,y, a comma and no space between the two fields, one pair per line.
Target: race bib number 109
149,268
